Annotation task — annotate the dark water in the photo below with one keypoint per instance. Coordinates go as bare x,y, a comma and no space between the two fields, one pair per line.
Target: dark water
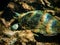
42,38
3,4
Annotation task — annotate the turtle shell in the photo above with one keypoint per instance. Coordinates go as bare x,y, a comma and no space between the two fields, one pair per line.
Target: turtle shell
44,22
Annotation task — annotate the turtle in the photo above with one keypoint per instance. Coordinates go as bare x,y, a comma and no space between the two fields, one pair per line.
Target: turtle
38,21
